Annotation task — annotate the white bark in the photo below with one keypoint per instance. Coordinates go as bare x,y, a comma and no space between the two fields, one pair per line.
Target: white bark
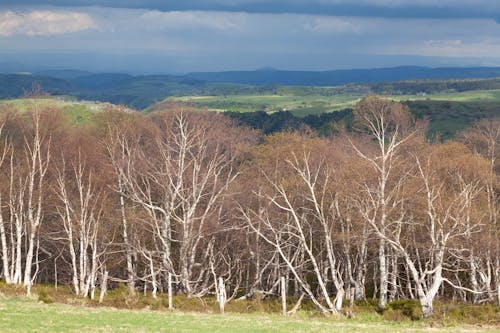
80,216
221,296
6,269
378,117
104,286
120,151
180,188
283,295
170,302
38,156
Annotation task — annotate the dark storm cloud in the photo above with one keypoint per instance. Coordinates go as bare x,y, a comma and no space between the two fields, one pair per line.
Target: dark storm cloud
366,8
194,35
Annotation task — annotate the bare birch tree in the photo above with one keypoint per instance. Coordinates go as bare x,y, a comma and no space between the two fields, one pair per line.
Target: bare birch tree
387,123
80,212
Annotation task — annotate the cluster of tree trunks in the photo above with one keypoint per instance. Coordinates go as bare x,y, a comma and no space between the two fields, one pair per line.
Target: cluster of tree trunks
188,202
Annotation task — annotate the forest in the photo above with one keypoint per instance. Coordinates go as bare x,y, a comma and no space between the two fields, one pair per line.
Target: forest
192,203
445,118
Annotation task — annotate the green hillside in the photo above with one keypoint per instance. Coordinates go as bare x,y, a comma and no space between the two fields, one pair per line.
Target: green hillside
77,111
316,96
303,105
296,104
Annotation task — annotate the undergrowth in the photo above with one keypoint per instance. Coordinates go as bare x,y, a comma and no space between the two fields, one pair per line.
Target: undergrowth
445,313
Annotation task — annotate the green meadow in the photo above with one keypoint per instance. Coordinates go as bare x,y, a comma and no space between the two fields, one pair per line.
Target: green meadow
21,315
298,105
466,96
316,104
77,111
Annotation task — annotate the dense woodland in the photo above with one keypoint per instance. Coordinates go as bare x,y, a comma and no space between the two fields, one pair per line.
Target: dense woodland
192,203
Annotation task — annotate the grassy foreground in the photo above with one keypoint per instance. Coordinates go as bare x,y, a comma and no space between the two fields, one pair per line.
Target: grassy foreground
21,315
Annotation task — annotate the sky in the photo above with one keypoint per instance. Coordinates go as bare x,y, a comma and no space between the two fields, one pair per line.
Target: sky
178,36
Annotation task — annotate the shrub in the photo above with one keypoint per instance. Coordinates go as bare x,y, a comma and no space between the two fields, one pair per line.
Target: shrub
403,310
44,297
466,313
394,315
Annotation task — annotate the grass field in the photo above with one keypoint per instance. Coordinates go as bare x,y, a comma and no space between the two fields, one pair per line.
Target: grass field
77,111
467,96
315,104
21,315
298,105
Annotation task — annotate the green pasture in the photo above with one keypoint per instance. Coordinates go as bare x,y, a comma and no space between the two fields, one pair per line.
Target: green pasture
316,104
22,315
298,105
77,112
467,96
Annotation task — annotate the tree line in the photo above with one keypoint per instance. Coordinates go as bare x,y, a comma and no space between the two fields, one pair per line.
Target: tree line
445,118
190,203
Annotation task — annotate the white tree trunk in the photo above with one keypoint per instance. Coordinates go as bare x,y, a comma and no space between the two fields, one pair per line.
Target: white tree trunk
283,296
104,286
383,278
128,250
29,262
170,302
18,252
5,252
222,295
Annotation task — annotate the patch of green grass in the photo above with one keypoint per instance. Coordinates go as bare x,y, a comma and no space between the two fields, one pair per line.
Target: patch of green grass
467,96
299,105
303,105
21,315
77,111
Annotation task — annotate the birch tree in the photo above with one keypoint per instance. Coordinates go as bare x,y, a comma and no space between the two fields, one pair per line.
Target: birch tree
445,198
180,184
80,211
388,124
37,154
484,139
300,187
120,144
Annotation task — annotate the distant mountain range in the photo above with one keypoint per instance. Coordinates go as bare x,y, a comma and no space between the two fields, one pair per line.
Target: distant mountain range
272,76
145,90
341,77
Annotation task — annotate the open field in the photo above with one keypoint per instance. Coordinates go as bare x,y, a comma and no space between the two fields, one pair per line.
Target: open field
77,111
21,315
467,96
448,113
316,104
298,105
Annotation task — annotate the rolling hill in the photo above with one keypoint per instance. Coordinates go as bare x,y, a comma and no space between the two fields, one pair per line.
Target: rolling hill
143,91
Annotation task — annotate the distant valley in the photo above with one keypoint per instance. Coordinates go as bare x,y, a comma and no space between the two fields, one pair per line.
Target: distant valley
273,100
141,92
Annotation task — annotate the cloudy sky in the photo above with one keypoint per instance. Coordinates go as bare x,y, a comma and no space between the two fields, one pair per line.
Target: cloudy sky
172,36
